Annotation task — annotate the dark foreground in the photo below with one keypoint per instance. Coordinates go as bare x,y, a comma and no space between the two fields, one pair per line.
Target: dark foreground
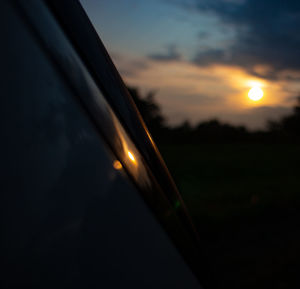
244,199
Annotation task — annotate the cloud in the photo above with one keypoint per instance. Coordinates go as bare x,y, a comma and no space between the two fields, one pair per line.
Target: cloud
254,118
257,118
129,66
196,93
212,56
172,54
203,35
272,112
267,33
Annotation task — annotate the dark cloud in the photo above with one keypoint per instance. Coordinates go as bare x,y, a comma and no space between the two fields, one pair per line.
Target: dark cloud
212,56
172,54
199,101
267,33
203,35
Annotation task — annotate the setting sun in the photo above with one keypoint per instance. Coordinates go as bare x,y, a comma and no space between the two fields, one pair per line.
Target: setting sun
255,93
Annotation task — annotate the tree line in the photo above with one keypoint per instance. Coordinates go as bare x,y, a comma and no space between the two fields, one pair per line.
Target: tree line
285,130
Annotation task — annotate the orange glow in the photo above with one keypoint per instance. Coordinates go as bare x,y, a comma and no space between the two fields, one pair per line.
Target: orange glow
131,156
117,165
208,91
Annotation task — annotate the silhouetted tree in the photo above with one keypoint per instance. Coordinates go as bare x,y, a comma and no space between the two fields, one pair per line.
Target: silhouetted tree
214,130
288,128
150,112
291,124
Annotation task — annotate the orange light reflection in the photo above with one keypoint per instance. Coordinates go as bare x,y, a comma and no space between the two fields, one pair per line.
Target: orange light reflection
130,155
117,165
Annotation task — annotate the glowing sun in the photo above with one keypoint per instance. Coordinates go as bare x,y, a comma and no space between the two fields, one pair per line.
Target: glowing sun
255,93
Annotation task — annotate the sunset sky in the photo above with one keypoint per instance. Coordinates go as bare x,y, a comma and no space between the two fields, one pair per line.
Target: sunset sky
202,56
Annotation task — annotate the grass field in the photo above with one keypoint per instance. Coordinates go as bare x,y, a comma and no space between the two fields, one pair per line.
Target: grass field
244,199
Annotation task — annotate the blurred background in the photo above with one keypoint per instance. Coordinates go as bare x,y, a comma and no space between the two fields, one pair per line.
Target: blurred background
218,85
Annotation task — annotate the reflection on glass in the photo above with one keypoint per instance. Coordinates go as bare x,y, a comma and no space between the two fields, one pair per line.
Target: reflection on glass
117,165
130,155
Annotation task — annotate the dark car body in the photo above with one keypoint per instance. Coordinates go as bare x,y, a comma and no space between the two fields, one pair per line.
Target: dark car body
86,200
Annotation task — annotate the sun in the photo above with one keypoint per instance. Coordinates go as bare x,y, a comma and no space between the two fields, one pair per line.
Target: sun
255,93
